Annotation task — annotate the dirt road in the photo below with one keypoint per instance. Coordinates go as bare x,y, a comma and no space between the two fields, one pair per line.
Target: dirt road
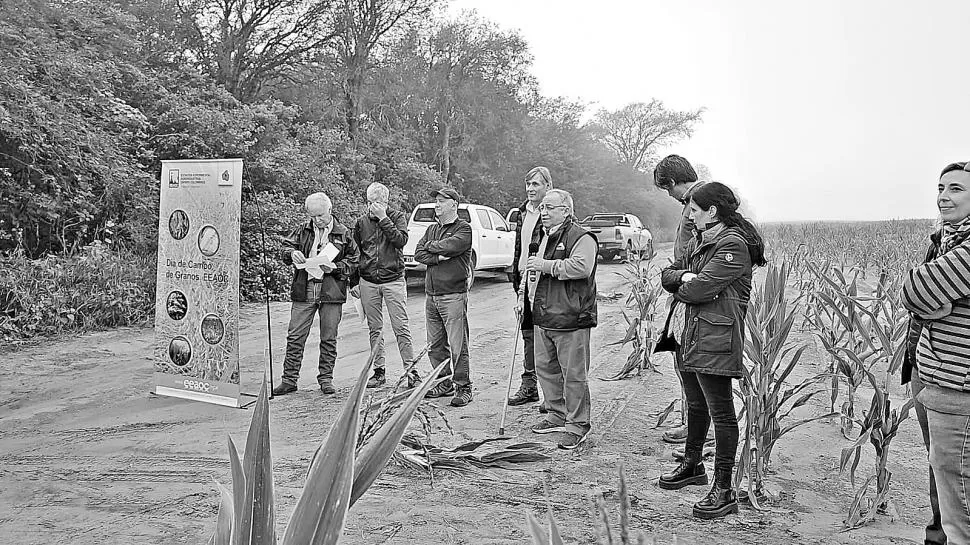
88,456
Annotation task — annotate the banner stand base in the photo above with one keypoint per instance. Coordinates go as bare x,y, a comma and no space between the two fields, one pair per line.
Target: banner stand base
244,404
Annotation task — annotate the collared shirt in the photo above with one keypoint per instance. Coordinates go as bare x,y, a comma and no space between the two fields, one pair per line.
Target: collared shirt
321,236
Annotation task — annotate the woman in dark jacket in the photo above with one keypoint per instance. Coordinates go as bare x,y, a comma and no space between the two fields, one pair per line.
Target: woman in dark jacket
711,284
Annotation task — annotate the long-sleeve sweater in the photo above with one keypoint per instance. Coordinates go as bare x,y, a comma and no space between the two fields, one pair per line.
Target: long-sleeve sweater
943,353
446,250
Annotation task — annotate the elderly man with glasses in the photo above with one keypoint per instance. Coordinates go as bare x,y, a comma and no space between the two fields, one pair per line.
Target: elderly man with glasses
563,302
321,235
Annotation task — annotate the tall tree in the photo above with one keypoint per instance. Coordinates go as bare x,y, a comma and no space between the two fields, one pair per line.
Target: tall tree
247,44
364,25
635,131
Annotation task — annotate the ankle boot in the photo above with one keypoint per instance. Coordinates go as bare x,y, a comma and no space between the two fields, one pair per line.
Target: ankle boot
690,471
720,501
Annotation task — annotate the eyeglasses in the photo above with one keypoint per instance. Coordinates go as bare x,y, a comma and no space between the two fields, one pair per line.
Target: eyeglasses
544,207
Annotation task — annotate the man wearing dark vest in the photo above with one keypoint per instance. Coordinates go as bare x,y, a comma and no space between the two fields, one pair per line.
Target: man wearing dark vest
563,302
528,231
677,177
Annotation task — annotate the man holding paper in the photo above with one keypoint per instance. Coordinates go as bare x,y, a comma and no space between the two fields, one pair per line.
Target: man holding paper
325,257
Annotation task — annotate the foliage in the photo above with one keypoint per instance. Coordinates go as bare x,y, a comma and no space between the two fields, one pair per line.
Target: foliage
644,295
338,475
93,289
768,400
636,130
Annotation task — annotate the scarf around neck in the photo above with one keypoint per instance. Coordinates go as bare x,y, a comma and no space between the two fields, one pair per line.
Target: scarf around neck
954,234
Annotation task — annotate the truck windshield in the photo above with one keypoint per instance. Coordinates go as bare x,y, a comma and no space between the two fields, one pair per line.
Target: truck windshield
426,215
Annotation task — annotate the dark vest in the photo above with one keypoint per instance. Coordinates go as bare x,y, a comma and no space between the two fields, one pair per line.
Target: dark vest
565,304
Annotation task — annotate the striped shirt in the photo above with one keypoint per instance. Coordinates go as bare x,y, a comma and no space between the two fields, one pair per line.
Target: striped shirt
943,353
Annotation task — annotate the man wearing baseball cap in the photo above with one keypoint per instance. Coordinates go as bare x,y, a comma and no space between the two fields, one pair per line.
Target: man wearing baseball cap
446,249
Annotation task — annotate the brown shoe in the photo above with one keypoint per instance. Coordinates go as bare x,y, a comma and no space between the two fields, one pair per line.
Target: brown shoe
524,395
327,388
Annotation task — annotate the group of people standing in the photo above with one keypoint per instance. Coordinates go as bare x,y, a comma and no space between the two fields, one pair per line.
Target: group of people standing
554,279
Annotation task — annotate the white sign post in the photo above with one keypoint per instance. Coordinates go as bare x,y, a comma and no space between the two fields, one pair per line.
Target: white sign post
196,350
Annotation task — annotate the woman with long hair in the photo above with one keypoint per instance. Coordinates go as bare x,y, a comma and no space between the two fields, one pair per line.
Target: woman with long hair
711,283
937,293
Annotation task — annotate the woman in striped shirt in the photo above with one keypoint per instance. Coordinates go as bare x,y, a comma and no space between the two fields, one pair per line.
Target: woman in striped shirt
938,293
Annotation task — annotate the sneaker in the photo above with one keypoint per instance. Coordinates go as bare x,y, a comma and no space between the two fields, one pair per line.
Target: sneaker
414,379
546,426
462,397
526,394
377,379
443,389
283,389
570,440
327,388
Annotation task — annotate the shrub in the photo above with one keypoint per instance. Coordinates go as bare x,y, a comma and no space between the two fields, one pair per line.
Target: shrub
94,289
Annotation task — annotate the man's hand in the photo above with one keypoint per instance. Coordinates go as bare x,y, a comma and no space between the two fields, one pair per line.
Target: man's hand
355,291
946,310
519,306
443,258
687,277
534,263
298,257
378,210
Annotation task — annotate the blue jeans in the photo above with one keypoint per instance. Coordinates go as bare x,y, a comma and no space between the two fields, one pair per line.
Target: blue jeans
950,460
301,318
447,317
528,345
934,530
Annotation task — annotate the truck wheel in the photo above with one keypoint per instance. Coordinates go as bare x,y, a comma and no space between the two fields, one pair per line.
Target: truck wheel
632,256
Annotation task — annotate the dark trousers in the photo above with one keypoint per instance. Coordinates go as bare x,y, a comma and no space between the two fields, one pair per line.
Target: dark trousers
528,346
934,530
301,318
711,399
447,317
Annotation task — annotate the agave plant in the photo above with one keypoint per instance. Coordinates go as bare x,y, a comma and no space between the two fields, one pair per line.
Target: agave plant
338,475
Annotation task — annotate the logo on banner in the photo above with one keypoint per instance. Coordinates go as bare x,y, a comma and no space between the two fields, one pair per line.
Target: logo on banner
225,179
173,177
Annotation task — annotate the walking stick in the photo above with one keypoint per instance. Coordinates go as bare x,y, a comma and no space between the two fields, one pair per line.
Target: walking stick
508,390
269,322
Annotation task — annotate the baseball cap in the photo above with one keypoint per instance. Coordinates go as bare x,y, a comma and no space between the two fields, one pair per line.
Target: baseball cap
447,193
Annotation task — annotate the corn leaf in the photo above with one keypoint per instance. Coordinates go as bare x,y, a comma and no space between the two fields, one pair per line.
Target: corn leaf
257,523
554,536
375,454
238,483
321,511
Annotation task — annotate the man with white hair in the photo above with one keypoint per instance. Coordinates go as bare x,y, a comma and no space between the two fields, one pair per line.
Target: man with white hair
320,235
563,302
381,234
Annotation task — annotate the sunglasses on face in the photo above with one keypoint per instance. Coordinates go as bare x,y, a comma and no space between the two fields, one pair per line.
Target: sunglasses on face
545,207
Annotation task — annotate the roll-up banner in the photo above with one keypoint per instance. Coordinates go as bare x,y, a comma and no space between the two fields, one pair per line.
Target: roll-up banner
196,349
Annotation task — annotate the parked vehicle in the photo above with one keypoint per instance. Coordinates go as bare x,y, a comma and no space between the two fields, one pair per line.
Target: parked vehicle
512,218
620,234
493,242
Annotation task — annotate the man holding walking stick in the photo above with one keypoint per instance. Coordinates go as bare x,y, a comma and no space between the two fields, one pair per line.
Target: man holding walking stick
528,231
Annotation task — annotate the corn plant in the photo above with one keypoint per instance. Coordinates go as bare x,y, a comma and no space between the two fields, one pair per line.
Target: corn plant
768,400
549,533
338,475
879,426
641,332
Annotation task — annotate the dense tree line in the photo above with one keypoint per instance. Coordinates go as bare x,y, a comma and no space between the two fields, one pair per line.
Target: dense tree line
313,95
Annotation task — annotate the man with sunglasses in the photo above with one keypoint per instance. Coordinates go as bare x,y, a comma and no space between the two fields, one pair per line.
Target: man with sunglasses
677,177
563,302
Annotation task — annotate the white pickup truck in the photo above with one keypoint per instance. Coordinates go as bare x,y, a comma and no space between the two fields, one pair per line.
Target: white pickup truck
620,234
493,242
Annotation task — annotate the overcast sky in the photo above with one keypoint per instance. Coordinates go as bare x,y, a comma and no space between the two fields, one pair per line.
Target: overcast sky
820,109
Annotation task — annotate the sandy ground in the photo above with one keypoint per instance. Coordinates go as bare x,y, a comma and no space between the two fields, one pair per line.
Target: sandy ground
89,456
